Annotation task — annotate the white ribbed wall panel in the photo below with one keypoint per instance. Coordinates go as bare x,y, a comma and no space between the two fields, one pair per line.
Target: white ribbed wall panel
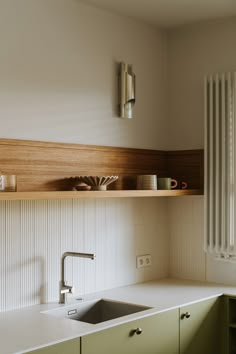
34,235
187,256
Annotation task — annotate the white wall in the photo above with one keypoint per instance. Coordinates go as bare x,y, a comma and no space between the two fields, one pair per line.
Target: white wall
58,69
194,51
58,83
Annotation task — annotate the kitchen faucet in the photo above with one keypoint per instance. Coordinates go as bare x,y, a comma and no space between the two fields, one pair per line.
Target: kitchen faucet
68,289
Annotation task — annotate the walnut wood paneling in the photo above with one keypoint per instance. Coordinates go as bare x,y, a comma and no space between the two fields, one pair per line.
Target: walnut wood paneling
187,165
43,166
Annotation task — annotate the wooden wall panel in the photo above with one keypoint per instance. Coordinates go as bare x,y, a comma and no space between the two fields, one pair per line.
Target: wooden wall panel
43,166
187,165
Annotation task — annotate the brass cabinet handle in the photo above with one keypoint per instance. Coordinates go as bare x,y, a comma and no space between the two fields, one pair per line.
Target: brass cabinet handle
185,315
138,331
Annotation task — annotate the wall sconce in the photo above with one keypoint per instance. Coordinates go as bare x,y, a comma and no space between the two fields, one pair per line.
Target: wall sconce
127,91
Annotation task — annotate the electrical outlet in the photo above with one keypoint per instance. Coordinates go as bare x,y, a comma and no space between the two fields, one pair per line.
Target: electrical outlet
143,261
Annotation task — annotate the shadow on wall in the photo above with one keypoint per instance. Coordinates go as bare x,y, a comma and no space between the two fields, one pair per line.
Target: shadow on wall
27,274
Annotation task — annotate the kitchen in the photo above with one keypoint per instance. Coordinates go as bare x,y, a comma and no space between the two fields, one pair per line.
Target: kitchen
58,60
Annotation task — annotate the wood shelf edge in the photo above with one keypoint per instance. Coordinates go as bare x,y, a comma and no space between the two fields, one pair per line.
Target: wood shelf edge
96,194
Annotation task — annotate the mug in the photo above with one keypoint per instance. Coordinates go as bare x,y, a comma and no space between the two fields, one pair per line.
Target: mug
148,182
182,185
7,183
2,183
166,183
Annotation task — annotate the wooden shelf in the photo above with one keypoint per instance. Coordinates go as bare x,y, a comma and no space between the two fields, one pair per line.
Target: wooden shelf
56,195
47,166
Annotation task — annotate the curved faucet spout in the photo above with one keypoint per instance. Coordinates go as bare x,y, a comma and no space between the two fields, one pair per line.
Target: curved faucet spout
65,289
78,254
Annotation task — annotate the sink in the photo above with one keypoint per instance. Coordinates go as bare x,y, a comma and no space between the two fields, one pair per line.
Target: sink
97,311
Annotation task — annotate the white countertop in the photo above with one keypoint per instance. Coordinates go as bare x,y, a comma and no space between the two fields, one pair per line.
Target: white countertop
31,328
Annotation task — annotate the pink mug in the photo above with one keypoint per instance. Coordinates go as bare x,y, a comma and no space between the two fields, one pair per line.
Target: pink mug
183,185
178,185
174,183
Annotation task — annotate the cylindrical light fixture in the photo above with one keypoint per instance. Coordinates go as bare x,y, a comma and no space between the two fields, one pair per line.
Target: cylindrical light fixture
127,91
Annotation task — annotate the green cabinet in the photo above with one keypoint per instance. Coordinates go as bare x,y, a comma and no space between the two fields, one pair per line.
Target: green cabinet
230,324
200,327
157,334
192,329
68,347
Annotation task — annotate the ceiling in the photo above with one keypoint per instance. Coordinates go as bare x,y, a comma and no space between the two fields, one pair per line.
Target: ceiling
169,13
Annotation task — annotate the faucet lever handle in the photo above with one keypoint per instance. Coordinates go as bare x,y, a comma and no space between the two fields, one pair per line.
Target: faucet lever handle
67,289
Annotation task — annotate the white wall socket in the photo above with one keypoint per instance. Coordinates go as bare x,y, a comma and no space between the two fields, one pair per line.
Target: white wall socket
143,261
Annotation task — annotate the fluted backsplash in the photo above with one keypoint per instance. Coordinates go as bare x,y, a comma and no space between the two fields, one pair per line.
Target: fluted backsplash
34,235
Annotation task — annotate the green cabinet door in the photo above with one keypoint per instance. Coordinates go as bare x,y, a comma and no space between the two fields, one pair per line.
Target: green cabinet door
68,347
200,327
158,334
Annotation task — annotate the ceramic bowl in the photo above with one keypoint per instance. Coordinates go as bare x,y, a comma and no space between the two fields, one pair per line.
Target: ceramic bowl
97,183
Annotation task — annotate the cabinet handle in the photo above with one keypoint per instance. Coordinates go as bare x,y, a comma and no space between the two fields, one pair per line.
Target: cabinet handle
138,331
185,315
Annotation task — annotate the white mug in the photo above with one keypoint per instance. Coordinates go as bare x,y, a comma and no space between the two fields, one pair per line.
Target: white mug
7,183
2,182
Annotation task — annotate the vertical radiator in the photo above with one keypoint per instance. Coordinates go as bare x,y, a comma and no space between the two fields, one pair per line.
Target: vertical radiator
219,92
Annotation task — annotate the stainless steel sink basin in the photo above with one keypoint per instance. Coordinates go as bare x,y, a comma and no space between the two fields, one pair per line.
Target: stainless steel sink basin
97,311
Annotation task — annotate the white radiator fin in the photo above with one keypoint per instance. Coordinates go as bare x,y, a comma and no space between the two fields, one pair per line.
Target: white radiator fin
219,164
